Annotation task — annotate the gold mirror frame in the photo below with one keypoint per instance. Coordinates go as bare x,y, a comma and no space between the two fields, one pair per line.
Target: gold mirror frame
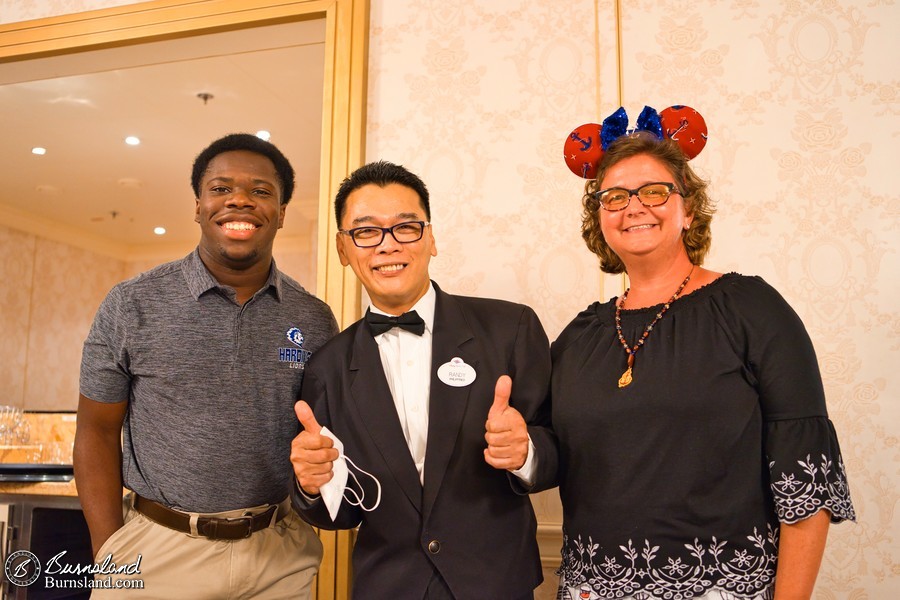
343,123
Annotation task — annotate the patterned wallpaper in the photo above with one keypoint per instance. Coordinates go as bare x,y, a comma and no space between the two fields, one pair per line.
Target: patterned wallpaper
49,296
17,275
794,96
838,260
801,99
480,111
19,10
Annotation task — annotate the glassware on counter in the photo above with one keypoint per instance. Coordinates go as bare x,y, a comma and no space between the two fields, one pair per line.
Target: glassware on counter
14,428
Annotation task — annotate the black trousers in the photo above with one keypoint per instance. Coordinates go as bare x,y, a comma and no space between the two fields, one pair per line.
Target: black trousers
438,590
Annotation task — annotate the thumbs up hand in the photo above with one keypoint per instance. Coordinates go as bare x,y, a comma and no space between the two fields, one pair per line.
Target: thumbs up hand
505,431
312,454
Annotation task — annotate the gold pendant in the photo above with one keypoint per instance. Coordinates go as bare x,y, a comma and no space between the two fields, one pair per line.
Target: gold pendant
625,379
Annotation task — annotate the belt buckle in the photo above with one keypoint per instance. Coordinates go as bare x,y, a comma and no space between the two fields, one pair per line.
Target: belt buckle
215,528
248,519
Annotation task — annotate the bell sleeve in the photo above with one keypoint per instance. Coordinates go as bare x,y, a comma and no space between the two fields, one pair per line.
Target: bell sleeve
806,470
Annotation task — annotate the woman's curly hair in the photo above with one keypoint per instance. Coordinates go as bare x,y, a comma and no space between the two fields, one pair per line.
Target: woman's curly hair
697,238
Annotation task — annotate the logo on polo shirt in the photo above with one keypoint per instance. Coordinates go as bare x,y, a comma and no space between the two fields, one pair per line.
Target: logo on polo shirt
295,357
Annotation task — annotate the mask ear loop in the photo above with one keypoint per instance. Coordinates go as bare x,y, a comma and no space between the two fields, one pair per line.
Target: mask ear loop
357,498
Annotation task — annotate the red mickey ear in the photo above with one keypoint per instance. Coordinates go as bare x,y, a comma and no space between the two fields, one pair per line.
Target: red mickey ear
582,150
686,126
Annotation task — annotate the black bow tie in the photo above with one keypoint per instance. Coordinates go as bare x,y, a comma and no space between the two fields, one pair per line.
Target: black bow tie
410,321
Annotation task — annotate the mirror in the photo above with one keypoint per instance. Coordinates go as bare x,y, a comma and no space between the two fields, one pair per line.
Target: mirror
81,216
133,202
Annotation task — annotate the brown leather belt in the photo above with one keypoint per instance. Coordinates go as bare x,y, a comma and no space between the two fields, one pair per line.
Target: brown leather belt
214,528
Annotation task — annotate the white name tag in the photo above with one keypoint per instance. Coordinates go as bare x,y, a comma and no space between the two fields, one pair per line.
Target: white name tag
456,373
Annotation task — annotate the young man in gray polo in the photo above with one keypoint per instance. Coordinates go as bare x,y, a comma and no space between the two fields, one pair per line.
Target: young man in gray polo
199,362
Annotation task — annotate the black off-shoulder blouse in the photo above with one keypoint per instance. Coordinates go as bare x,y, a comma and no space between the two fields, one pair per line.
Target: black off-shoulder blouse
675,485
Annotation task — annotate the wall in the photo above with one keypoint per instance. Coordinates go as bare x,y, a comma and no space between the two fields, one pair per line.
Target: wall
50,293
801,99
804,100
12,11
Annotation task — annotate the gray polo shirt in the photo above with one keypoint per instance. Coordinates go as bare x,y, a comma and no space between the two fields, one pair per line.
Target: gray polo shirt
210,384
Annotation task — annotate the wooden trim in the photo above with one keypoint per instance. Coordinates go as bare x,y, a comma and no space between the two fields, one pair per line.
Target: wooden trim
620,74
147,21
343,124
345,140
550,538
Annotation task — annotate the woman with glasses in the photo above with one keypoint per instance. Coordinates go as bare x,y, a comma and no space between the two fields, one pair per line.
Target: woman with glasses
697,459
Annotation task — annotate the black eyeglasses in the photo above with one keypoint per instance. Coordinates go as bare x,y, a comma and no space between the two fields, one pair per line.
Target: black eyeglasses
369,236
649,194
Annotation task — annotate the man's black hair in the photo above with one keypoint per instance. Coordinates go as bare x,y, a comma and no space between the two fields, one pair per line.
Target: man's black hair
382,174
249,143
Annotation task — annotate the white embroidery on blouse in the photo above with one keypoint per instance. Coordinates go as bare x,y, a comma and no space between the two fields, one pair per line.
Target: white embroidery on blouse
741,573
799,496
744,573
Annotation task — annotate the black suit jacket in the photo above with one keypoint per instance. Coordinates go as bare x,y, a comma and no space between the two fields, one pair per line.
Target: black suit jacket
472,523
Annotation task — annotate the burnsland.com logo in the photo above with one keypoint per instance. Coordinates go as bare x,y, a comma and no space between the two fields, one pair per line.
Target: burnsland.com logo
22,568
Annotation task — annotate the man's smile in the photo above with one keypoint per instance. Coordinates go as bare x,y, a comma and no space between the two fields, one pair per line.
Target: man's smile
391,268
238,225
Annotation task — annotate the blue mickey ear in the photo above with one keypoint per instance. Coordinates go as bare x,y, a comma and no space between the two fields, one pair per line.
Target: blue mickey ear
614,127
649,121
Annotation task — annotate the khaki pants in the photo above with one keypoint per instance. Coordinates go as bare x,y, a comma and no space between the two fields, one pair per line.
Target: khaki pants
273,563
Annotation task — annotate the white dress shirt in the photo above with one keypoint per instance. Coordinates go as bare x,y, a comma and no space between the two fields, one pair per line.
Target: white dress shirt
406,359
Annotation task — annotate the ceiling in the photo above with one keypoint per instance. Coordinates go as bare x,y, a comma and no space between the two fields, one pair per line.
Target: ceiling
81,106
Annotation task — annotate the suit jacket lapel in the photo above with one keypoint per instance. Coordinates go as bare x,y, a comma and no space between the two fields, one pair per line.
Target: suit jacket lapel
372,397
447,404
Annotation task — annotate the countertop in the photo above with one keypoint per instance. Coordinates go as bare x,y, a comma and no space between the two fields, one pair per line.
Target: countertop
43,488
50,437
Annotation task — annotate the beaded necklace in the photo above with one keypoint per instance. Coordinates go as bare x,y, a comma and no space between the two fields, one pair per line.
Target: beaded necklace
626,377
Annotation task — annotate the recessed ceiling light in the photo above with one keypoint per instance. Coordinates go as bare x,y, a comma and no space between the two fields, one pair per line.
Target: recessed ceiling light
130,183
45,188
39,151
159,230
263,135
132,140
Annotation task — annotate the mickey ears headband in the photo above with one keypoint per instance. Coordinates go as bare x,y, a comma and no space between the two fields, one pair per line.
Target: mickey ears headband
584,147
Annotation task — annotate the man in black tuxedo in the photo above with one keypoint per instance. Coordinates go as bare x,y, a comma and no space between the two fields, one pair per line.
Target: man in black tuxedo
441,398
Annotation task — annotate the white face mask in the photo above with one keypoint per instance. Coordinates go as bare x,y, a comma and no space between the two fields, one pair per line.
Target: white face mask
337,490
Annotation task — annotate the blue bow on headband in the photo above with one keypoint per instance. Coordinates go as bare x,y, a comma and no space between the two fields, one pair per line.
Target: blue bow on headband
616,125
